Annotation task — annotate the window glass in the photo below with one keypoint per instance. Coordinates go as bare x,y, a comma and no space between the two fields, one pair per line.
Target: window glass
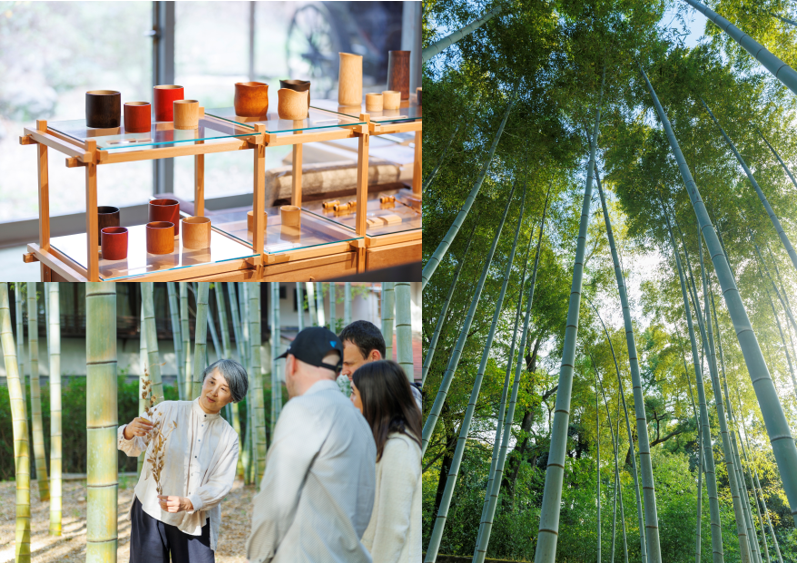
51,53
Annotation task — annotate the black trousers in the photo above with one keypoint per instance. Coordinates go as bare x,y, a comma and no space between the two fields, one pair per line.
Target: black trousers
151,541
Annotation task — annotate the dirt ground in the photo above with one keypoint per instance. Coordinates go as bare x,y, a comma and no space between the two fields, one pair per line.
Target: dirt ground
70,547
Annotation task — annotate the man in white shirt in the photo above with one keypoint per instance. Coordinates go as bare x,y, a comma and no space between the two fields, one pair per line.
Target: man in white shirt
364,343
317,493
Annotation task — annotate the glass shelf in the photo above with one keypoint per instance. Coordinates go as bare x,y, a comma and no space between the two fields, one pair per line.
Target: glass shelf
161,133
387,218
315,231
139,261
408,111
315,120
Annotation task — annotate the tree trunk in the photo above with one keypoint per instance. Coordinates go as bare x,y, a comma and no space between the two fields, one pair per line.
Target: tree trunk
772,217
648,486
452,38
640,513
258,400
773,64
56,454
485,527
19,419
464,429
347,303
442,248
186,334
35,395
174,313
200,338
554,474
101,423
404,329
440,160
153,356
441,318
707,449
448,376
783,445
388,317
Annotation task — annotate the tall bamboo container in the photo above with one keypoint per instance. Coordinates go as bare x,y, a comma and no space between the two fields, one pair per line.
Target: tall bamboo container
35,395
346,304
388,308
153,357
54,337
101,423
258,399
185,332
404,328
19,417
200,337
319,295
174,313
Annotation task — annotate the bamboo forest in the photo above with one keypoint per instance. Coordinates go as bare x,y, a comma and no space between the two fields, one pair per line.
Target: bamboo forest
610,281
114,351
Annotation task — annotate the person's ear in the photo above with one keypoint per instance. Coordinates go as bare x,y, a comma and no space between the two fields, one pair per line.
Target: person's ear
374,355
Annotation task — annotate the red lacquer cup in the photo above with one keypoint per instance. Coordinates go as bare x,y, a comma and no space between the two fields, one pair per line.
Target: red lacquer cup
164,96
138,117
114,243
166,210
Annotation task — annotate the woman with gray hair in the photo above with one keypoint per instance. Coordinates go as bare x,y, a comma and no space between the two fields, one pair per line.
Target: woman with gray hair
191,456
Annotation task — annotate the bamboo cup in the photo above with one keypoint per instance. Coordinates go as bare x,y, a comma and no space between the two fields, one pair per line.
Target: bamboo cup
392,99
373,102
196,232
186,114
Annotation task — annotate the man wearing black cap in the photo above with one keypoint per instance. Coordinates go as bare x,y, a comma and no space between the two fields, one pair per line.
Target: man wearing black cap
317,493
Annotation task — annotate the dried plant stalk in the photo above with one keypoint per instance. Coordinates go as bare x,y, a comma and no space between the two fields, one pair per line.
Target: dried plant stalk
158,450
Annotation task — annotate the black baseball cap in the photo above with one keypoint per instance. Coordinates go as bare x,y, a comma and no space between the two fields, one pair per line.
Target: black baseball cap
312,344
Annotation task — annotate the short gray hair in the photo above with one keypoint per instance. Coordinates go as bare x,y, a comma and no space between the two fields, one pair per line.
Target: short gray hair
234,373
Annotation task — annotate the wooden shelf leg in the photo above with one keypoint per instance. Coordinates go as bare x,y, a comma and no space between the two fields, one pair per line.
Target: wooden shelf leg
91,223
199,186
296,198
417,170
44,191
362,182
258,230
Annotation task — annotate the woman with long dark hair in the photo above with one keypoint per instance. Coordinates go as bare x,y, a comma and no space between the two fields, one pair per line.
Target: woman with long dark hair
382,392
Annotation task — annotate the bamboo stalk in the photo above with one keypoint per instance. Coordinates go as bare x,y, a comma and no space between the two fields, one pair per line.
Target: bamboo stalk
598,465
485,528
464,429
311,303
388,314
20,312
437,257
404,329
35,395
616,464
19,420
101,423
448,376
177,338
319,295
186,334
56,454
783,164
333,308
441,318
258,401
452,38
276,389
780,437
143,404
153,356
200,338
300,304
431,176
347,303
213,334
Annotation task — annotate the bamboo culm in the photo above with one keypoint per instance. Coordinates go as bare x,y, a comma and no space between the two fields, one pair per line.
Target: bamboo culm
442,158
258,399
347,303
174,313
388,318
437,257
707,448
333,308
200,338
646,466
56,454
186,334
554,474
20,313
616,465
404,329
39,452
101,423
319,295
153,357
464,429
780,437
19,418
486,524
448,376
300,304
773,64
441,318
311,303
783,164
452,38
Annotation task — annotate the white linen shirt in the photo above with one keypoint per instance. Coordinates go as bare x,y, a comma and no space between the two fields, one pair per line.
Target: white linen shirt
317,492
199,463
394,533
